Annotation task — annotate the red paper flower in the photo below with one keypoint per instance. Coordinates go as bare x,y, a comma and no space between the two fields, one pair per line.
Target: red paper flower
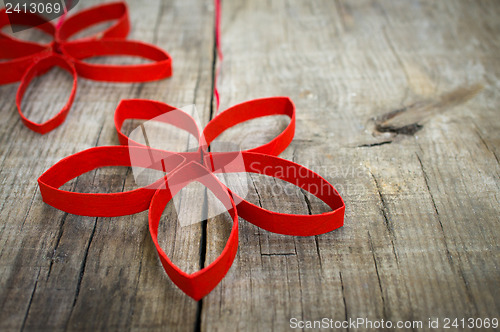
201,165
27,59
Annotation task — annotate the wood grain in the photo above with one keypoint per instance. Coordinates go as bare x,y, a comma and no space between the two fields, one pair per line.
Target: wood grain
397,106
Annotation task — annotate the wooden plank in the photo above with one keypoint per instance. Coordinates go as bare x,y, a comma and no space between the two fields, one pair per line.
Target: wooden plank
397,106
421,231
60,271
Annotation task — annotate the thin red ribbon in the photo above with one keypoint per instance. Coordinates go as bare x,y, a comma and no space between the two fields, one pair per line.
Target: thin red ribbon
185,167
218,48
27,60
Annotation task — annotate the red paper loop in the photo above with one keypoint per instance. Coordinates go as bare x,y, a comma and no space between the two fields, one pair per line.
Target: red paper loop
39,67
95,15
143,109
200,283
147,110
159,69
251,110
300,176
101,204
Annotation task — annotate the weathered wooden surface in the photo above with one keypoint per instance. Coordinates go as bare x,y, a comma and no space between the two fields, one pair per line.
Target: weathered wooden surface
397,106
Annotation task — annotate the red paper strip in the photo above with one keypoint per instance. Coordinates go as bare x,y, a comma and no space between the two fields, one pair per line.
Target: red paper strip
200,283
218,47
160,68
94,15
185,167
23,58
102,205
37,68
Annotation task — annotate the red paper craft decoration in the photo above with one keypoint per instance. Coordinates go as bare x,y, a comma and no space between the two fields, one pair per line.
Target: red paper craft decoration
27,60
186,167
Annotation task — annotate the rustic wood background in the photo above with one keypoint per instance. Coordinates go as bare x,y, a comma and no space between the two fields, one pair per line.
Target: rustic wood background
397,106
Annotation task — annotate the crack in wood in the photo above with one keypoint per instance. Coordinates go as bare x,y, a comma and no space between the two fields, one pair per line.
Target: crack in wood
300,289
127,172
29,209
410,119
203,257
30,301
134,295
369,145
448,253
485,144
426,179
309,210
408,130
99,135
214,78
384,210
197,85
318,252
82,272
60,230
204,224
199,310
7,153
138,89
343,297
256,191
384,308
157,22
58,240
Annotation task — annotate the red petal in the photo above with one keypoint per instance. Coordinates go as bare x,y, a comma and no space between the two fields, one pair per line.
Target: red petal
102,205
39,67
95,15
160,68
202,282
283,223
251,110
143,109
